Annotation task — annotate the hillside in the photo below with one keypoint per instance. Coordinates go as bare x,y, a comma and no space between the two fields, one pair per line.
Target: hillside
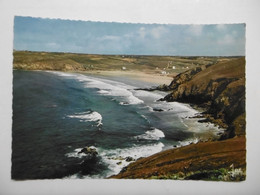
220,90
220,160
172,65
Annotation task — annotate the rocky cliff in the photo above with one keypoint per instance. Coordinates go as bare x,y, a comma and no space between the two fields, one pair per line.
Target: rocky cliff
220,89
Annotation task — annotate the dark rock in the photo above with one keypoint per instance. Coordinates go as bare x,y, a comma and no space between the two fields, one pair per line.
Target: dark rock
204,120
89,150
159,88
158,110
163,88
119,163
124,169
129,158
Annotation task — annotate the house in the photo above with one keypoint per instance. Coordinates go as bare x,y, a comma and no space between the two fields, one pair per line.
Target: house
163,72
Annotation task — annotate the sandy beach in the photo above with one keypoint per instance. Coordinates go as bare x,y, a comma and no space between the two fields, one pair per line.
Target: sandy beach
137,75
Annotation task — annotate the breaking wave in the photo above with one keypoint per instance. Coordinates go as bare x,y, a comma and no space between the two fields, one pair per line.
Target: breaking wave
154,134
87,117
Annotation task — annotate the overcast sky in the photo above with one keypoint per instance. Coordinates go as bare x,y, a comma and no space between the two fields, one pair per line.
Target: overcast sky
37,34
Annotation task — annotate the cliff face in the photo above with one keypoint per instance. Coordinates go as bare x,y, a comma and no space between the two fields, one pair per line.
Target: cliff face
220,88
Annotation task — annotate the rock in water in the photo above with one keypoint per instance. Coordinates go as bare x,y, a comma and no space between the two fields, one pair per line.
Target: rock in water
89,150
129,158
158,110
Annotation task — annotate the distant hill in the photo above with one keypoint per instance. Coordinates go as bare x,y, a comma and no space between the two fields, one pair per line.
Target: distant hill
172,65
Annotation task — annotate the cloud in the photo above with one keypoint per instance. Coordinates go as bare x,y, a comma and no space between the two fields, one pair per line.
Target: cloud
196,30
52,45
158,32
142,32
234,33
226,40
221,27
109,38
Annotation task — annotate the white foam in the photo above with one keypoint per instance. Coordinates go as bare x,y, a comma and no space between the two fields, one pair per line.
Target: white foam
110,157
148,94
135,152
188,142
88,116
103,92
154,134
182,110
108,87
76,154
61,73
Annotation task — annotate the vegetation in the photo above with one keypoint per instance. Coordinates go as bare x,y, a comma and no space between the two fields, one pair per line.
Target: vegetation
214,160
221,174
88,62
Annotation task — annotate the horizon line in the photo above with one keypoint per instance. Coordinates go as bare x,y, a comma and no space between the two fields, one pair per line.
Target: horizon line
129,54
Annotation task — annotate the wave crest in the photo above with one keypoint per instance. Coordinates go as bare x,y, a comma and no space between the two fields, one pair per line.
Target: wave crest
154,134
88,117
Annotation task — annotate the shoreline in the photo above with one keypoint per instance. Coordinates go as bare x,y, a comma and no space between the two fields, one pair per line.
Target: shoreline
145,76
180,173
186,162
213,87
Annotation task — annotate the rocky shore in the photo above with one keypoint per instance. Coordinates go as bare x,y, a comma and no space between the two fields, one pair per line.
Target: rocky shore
220,90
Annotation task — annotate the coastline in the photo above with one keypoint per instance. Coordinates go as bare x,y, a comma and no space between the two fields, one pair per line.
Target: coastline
220,90
145,76
223,100
136,75
189,165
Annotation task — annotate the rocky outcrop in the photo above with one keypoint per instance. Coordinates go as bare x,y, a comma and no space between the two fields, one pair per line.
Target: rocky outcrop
89,150
183,78
219,88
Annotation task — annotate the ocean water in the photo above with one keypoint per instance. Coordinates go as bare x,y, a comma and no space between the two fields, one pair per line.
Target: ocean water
56,114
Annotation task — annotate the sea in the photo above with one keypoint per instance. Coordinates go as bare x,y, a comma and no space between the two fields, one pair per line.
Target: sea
57,114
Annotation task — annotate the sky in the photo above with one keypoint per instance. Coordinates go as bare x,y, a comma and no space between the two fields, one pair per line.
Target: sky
56,35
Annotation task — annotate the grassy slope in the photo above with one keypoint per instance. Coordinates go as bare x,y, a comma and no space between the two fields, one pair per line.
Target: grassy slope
191,160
